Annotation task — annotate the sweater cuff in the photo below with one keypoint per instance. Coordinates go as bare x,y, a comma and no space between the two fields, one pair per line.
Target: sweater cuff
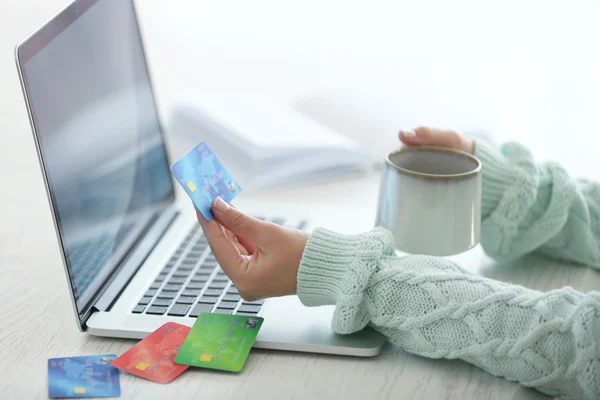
328,259
498,174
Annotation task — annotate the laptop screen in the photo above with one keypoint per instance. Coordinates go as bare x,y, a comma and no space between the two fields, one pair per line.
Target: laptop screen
98,136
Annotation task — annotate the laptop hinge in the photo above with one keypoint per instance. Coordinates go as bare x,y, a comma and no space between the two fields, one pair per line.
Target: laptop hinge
135,260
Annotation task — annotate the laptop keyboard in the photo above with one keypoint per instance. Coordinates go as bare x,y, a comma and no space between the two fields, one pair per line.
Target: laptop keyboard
192,282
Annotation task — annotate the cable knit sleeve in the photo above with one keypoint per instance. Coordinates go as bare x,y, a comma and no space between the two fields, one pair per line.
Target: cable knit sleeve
431,307
530,208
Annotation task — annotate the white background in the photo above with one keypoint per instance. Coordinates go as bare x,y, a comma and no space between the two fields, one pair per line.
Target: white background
521,70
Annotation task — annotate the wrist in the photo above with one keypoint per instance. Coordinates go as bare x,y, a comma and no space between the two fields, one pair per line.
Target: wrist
498,174
299,245
330,259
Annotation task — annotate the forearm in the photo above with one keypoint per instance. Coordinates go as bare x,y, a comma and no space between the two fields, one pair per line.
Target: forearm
528,208
431,307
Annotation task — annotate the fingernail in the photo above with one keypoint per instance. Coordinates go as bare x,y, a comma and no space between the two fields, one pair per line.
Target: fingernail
221,205
409,134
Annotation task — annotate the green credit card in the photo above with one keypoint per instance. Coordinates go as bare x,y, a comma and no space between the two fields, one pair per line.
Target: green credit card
219,341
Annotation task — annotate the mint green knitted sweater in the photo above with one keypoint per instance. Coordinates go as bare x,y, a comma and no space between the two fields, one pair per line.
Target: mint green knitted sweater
434,308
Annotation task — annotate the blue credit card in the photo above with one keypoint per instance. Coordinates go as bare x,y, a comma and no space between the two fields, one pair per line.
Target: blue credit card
204,178
86,376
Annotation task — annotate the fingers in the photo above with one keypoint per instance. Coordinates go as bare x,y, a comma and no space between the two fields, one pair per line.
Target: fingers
436,137
246,228
230,258
430,136
248,245
243,251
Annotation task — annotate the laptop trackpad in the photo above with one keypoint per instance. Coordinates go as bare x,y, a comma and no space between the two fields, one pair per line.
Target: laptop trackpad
289,325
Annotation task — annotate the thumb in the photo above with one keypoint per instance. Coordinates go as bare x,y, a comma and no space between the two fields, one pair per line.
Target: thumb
252,229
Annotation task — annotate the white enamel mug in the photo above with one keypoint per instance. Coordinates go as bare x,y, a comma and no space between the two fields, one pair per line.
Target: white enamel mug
430,199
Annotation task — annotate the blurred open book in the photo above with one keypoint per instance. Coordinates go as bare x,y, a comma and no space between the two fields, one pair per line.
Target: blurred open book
264,143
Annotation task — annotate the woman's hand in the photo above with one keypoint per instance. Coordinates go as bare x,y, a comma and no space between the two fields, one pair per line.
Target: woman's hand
437,137
261,258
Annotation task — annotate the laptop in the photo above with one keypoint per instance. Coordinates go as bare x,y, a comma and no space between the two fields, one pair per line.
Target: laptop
134,254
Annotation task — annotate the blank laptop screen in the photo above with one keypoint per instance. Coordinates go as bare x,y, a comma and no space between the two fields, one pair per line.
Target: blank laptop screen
98,135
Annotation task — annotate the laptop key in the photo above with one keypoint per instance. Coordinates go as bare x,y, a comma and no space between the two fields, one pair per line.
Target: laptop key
139,309
204,272
186,300
231,298
222,311
195,285
179,310
232,290
144,301
220,278
161,302
245,312
254,303
181,274
199,309
249,309
155,310
167,295
155,285
172,288
150,293
207,300
227,306
191,292
213,292
217,285
177,281
199,278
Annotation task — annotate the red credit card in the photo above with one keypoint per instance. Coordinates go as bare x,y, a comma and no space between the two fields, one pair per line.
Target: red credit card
152,358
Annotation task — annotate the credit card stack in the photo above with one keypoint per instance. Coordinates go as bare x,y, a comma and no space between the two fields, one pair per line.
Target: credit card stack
216,341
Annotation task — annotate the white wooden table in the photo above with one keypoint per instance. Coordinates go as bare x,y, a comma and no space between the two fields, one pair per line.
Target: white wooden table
36,320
